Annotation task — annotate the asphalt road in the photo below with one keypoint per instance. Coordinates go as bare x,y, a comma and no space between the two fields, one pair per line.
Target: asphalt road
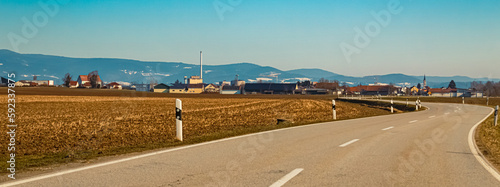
427,148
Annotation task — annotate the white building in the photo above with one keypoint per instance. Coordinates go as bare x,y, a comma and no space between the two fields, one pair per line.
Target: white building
195,80
142,87
230,89
83,81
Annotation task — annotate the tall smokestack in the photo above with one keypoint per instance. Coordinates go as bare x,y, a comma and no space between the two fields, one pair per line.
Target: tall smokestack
201,65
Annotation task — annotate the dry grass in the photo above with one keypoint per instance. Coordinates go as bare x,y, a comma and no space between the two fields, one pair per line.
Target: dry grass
59,129
488,140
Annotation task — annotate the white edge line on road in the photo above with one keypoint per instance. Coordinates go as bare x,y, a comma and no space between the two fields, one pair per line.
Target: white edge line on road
22,181
413,121
349,142
432,116
287,177
446,113
388,128
479,156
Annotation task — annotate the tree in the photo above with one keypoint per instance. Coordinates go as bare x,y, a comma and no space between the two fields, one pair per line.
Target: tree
452,85
93,78
489,88
305,84
66,79
177,82
322,80
392,88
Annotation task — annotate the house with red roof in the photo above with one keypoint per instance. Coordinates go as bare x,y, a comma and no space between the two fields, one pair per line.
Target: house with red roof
114,85
83,79
73,84
371,90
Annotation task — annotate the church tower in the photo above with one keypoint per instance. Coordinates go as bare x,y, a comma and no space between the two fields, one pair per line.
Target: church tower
425,82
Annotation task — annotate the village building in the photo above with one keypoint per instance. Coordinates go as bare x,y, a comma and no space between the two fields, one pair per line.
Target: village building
84,79
187,88
161,88
237,83
114,85
211,88
141,87
226,89
86,85
195,80
36,82
372,90
457,92
270,88
20,84
414,90
3,81
73,84
222,83
313,91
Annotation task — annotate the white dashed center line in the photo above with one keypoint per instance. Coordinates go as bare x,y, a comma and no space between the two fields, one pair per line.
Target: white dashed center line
413,121
388,128
349,142
432,116
287,177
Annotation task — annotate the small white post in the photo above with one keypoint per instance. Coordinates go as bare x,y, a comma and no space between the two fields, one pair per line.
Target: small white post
416,104
496,115
178,118
334,110
419,104
463,100
406,102
392,107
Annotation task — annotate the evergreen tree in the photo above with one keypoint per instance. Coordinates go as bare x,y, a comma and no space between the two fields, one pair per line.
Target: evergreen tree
452,85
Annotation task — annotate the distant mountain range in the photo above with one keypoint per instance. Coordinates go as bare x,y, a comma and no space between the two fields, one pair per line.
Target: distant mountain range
48,67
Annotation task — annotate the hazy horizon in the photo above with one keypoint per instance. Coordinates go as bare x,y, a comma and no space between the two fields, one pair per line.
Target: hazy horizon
445,38
197,64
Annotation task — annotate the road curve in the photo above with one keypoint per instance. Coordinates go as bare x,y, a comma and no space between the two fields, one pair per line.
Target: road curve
427,148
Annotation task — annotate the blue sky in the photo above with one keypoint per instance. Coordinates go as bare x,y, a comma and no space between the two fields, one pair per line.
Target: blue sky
449,37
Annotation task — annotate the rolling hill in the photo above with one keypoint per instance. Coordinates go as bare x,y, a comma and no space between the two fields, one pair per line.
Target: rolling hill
133,71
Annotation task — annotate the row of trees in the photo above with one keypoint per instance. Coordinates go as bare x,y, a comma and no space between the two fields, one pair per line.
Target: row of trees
489,88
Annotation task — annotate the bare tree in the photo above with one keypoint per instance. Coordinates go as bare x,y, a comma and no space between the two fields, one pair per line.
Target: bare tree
93,78
490,88
67,79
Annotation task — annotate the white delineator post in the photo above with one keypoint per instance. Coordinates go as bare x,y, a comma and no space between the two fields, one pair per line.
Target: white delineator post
178,118
416,104
496,115
392,106
406,102
334,110
463,100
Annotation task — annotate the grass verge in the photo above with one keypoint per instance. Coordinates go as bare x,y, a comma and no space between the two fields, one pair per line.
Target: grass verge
383,105
488,141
